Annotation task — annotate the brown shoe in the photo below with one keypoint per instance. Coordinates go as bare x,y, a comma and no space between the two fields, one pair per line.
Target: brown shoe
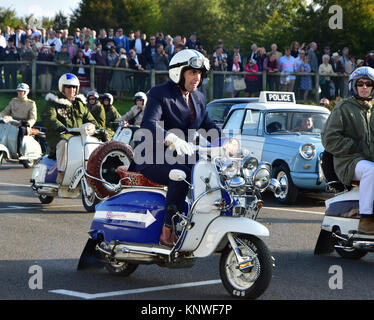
60,176
165,237
366,225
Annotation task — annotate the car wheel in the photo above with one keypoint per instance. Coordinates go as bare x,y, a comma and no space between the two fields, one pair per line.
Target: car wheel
289,192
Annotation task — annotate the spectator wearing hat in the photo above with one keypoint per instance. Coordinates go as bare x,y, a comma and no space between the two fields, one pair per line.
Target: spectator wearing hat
10,71
27,53
62,59
326,50
83,74
231,56
338,68
44,71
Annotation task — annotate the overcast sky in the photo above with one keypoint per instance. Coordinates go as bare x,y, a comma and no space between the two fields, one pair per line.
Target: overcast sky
46,8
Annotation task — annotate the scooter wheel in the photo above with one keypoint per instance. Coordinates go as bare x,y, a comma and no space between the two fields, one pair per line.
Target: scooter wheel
103,164
45,199
252,283
120,268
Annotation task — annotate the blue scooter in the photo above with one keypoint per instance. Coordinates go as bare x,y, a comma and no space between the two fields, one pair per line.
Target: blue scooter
219,216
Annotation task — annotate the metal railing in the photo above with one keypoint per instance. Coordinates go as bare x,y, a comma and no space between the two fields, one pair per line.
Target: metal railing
151,75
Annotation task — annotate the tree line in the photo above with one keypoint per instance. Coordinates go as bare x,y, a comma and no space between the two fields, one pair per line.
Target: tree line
239,22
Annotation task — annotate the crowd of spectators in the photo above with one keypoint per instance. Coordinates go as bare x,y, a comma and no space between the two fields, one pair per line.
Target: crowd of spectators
138,52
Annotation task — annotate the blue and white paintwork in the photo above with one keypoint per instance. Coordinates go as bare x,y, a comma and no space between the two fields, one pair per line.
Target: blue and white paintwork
282,148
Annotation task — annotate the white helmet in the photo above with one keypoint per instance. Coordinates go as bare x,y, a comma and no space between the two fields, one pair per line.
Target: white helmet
92,93
108,96
68,79
140,96
360,73
187,59
23,87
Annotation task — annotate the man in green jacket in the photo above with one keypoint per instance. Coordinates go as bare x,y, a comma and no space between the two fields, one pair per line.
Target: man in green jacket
96,108
62,111
111,114
349,136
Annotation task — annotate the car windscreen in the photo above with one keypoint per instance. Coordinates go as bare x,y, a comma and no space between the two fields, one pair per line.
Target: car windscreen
218,111
288,122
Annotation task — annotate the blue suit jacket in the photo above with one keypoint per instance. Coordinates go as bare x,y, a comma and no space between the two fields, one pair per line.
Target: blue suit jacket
166,103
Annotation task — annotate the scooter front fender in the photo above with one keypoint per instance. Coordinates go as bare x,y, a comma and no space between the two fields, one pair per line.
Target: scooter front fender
218,229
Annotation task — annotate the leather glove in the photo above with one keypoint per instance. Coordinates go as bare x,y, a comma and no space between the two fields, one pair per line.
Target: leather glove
182,147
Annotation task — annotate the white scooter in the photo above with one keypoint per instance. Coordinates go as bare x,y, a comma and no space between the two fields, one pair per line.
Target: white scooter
74,182
223,202
339,230
8,144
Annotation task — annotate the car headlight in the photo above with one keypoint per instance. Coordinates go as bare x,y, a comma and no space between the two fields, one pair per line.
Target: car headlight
262,176
308,151
230,169
248,166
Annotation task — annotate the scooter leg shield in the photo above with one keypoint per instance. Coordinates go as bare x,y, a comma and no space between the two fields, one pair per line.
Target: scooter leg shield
325,243
90,257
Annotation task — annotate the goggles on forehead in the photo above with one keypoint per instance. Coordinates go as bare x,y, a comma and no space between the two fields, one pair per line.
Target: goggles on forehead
194,62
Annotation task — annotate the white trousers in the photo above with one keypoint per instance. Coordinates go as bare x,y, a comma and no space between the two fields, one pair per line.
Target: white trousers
61,155
364,172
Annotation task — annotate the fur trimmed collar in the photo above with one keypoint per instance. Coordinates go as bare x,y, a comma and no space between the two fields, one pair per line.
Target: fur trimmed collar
64,101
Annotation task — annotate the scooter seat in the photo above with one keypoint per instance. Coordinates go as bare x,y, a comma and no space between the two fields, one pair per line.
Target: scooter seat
135,178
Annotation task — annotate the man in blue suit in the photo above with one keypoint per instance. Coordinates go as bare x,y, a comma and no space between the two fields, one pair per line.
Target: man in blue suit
175,107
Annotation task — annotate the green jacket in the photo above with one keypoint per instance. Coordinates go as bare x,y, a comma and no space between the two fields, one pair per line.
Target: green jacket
98,113
111,115
60,112
349,135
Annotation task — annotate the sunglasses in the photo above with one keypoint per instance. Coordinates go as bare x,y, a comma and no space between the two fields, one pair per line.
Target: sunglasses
69,87
364,83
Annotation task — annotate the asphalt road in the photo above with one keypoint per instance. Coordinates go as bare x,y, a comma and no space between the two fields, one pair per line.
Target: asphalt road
47,240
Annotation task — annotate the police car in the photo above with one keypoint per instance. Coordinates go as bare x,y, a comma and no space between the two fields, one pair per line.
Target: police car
278,130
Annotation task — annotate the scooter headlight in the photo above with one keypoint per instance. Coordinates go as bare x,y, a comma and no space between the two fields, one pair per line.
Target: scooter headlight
262,176
90,129
230,169
308,151
248,166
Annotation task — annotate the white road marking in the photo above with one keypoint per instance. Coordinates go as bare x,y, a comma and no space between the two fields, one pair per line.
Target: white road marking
294,210
15,184
84,295
40,207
